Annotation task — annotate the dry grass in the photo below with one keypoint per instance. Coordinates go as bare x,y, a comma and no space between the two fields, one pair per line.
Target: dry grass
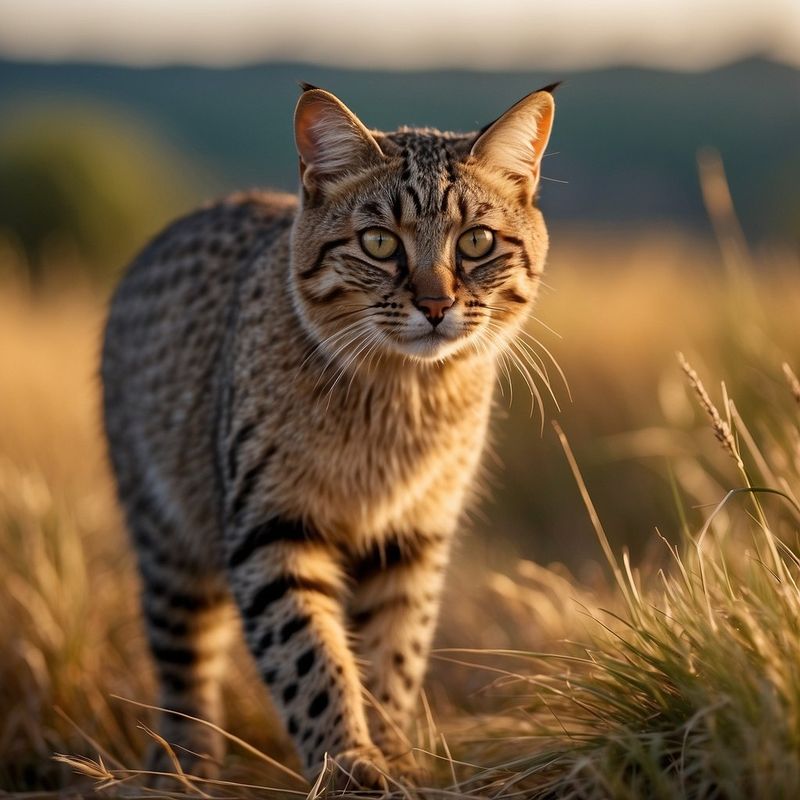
685,685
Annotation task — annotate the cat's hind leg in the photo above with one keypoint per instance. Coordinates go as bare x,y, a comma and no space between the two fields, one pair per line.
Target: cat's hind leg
189,620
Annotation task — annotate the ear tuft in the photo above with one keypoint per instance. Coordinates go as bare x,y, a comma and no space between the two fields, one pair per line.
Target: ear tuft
515,143
307,87
551,87
330,139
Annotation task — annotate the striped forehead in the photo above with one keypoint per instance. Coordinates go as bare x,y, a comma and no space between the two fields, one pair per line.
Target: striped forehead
428,168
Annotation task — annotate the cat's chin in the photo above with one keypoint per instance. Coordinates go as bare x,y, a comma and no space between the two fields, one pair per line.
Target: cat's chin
429,346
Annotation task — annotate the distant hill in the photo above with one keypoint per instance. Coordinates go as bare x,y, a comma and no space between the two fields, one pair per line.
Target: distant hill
626,138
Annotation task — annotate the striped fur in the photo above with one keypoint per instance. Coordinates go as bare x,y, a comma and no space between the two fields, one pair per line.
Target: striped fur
294,438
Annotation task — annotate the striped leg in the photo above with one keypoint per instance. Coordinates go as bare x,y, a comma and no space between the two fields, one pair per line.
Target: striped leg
394,610
188,621
288,584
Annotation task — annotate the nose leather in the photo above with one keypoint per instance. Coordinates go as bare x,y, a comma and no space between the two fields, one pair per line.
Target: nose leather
434,307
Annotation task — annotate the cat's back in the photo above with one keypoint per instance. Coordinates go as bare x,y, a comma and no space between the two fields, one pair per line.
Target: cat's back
167,322
170,309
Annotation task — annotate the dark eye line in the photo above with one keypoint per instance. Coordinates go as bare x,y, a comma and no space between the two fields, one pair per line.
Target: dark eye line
324,251
481,270
363,262
507,237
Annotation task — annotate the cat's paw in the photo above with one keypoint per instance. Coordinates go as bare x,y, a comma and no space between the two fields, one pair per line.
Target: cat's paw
405,768
360,767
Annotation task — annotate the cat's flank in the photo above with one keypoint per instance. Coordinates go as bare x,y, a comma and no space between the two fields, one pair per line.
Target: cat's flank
296,398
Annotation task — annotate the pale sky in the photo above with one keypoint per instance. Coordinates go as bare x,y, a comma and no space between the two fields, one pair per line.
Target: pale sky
494,34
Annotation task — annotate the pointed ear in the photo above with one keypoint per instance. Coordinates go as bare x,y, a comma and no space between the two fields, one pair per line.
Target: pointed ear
515,142
330,139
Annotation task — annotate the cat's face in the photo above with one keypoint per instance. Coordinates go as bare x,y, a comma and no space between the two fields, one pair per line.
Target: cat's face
417,243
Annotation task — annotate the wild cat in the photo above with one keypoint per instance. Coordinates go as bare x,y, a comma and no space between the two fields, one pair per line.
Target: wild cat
296,397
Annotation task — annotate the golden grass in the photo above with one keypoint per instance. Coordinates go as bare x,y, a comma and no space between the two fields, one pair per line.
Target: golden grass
70,637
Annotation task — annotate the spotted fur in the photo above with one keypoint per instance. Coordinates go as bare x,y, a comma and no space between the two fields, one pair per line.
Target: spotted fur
295,437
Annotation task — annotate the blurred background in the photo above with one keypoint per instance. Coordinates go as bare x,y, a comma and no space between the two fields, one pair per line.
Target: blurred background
672,192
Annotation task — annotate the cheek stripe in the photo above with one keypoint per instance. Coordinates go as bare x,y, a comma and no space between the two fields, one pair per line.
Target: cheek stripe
332,294
320,260
514,297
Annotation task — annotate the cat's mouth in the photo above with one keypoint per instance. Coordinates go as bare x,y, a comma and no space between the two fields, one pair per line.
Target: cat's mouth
432,344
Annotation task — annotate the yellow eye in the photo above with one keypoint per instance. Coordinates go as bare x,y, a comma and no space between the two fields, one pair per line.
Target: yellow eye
476,242
379,243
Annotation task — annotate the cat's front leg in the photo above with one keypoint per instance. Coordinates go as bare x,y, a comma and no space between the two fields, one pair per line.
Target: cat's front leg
288,584
394,609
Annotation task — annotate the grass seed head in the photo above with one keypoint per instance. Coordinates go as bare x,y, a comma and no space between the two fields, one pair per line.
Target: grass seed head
722,430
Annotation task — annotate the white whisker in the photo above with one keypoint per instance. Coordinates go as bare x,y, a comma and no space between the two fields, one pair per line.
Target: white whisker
327,341
334,356
537,370
545,325
368,336
552,358
372,342
493,330
533,360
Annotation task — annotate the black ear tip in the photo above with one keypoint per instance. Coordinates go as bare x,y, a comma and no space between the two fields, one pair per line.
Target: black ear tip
550,88
307,87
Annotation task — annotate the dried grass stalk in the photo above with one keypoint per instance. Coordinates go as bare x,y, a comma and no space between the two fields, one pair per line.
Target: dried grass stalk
722,430
794,383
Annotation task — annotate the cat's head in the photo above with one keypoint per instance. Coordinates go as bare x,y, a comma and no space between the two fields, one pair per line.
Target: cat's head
416,242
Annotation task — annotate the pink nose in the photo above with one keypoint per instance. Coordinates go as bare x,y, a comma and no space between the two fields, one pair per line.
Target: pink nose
434,308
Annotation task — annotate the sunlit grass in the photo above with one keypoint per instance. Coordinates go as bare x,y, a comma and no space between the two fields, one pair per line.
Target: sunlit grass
690,687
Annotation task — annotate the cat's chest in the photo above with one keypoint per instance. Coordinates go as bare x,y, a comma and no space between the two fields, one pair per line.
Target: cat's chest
407,416
376,451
